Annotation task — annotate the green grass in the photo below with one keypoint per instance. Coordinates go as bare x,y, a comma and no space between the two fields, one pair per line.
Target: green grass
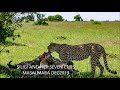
37,38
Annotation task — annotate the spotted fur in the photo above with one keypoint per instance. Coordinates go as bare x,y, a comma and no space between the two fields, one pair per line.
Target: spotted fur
80,52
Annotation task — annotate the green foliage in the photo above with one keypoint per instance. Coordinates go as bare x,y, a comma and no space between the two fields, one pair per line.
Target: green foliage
27,18
91,19
30,17
4,33
46,19
97,22
78,18
7,25
21,19
38,22
44,23
56,17
41,22
40,16
51,18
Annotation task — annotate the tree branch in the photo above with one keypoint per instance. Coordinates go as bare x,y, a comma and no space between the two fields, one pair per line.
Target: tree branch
2,49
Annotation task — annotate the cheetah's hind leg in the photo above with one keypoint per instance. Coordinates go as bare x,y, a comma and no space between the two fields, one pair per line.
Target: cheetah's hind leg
100,67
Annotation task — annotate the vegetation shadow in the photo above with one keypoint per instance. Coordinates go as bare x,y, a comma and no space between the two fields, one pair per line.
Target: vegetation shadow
9,43
116,56
11,73
81,75
61,37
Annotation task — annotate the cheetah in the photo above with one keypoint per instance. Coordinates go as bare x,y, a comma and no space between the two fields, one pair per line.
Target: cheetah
80,52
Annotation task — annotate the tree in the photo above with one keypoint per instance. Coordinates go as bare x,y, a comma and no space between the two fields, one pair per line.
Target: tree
78,18
58,17
40,20
91,19
9,23
46,19
26,18
30,17
40,16
51,18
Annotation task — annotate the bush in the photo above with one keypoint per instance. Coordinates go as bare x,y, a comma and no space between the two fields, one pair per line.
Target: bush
56,17
91,20
26,20
78,18
9,22
41,22
97,22
51,18
44,23
46,19
4,33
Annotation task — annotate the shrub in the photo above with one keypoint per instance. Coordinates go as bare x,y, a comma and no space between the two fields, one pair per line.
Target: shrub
26,20
78,18
6,32
91,20
56,17
46,19
44,23
41,22
51,18
97,22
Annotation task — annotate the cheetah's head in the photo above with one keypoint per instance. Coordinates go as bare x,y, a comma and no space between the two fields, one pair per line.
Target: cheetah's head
51,47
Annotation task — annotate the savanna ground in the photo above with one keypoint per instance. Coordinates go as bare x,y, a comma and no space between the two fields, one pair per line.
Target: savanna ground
35,39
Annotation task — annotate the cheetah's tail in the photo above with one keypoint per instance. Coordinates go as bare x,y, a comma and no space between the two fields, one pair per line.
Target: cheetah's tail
106,65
